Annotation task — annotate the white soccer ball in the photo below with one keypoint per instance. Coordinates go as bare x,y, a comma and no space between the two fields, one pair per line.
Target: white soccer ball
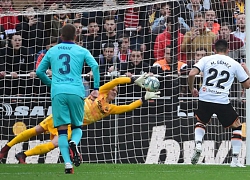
152,84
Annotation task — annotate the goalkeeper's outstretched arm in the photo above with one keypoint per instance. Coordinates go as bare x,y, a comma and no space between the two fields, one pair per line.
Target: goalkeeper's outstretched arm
126,108
123,80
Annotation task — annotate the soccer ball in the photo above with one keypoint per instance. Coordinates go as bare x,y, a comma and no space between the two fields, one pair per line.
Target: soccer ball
152,84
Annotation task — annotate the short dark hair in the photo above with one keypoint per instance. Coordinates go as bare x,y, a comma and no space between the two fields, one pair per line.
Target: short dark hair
124,36
16,34
164,5
107,18
227,24
92,20
199,15
221,45
109,45
68,32
137,48
77,21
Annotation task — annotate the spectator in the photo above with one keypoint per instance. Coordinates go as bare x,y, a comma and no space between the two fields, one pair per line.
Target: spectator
97,15
241,27
188,11
223,9
163,66
211,23
236,47
108,62
132,18
7,21
59,20
45,19
16,61
164,39
38,87
199,53
110,35
78,25
42,53
135,65
79,40
154,12
32,31
39,6
119,19
137,24
206,4
124,51
146,54
159,23
92,40
199,36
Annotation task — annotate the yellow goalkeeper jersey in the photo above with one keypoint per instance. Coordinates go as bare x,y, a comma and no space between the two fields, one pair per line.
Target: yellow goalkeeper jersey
97,109
100,108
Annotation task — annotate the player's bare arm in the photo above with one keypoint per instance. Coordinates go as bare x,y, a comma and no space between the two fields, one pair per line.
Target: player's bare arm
246,84
191,78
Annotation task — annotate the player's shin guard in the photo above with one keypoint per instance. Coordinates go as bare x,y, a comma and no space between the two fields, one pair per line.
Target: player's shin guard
64,145
40,149
199,132
24,136
236,141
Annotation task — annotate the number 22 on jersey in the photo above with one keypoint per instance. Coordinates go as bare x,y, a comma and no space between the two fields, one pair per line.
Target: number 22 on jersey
221,77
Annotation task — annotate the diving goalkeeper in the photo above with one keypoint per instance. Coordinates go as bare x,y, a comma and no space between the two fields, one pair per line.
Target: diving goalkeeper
95,110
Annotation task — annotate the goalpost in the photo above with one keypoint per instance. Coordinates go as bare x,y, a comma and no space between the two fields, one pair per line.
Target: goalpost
160,132
248,93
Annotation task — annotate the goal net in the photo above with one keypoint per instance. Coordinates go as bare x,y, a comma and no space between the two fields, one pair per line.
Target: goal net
126,38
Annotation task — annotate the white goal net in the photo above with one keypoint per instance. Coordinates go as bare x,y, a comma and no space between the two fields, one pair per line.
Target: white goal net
131,36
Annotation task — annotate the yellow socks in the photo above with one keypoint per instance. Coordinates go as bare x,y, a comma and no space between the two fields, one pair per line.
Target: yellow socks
37,150
24,136
40,149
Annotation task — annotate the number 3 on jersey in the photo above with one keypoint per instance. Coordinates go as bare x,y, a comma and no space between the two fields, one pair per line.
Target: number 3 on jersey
214,75
65,63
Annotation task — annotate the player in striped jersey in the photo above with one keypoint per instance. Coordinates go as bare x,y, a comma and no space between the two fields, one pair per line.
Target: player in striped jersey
219,71
95,110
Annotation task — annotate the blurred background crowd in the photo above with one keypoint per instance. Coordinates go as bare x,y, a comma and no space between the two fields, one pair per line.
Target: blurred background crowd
124,40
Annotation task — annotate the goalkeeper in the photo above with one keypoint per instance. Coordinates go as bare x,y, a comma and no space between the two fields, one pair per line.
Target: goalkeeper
95,110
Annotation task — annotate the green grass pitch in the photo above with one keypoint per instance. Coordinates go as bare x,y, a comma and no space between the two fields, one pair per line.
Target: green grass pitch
123,172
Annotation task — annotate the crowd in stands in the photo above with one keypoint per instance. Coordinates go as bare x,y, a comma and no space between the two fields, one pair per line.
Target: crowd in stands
123,41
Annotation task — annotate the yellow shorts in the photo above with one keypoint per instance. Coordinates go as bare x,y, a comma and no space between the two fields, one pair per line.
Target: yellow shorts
48,125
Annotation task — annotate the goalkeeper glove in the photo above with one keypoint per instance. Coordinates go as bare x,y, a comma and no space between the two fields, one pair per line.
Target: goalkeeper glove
149,95
140,81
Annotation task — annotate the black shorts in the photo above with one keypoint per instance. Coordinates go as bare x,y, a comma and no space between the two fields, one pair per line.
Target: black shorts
225,113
